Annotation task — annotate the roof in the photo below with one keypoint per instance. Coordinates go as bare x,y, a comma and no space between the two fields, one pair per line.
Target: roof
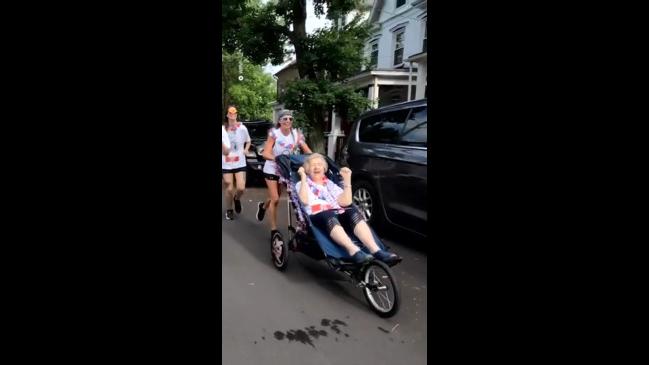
290,65
376,11
381,72
417,56
405,104
421,4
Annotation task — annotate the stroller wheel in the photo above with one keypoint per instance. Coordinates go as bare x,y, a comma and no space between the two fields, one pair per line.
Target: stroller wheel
292,244
380,289
279,252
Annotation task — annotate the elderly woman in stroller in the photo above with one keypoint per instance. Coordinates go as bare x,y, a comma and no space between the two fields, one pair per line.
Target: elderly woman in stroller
328,227
330,207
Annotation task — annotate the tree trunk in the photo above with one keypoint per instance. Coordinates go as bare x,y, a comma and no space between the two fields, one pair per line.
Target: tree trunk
298,36
316,138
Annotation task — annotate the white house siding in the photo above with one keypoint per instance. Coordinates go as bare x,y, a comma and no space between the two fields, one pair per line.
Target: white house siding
414,31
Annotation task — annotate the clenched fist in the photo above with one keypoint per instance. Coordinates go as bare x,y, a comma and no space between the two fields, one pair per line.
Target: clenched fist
302,173
346,173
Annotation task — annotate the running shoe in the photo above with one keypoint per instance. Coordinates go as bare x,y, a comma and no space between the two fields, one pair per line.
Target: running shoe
229,215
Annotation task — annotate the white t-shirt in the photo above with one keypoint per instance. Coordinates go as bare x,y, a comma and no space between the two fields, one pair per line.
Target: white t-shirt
321,197
283,145
237,137
224,137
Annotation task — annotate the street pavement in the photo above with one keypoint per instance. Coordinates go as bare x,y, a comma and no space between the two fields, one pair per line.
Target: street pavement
310,314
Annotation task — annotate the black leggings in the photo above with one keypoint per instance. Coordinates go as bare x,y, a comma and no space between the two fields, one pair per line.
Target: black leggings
328,219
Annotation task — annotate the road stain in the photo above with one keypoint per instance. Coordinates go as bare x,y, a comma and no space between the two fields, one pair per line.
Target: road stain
315,333
383,329
334,324
309,334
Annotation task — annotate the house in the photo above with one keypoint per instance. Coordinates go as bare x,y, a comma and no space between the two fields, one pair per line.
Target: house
399,60
398,53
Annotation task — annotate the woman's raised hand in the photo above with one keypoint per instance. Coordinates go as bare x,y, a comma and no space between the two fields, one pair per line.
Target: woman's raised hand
346,173
302,173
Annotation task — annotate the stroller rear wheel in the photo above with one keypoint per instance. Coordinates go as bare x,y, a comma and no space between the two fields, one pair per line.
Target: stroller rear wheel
380,289
279,252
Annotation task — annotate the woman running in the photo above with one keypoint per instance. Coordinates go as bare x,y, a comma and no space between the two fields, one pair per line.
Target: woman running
283,139
234,162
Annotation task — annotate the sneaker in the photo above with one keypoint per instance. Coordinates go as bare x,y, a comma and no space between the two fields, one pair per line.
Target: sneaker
260,211
387,257
237,206
229,215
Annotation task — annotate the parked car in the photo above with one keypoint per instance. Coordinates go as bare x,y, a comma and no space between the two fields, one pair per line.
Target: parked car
258,131
387,151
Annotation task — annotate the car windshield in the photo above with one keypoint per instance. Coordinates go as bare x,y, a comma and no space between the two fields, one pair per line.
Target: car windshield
258,131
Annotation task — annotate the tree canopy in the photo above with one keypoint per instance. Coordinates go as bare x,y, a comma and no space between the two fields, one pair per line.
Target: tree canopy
262,32
254,94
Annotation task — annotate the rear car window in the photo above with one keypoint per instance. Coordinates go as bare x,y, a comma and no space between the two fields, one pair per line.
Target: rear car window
415,132
382,128
258,130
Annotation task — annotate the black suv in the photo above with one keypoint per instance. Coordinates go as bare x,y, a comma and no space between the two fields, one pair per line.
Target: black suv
258,131
387,151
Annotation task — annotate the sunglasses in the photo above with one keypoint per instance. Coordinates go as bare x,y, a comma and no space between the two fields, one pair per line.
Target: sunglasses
287,118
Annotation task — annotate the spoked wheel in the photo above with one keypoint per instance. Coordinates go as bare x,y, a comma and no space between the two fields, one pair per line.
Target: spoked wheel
381,290
279,252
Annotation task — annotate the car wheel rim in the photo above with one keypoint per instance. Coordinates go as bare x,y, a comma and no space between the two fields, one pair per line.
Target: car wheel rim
363,200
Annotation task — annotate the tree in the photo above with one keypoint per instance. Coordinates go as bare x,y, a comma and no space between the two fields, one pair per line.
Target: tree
252,95
323,59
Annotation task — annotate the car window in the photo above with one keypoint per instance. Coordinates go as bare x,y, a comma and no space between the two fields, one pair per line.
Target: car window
258,130
415,133
382,128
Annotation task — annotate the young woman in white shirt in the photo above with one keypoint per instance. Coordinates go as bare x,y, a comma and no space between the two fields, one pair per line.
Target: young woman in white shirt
234,162
283,139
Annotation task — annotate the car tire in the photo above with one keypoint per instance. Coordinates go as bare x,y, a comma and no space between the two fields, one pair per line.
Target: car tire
367,200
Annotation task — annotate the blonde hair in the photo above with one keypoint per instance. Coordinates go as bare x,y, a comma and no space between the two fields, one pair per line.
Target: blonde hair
314,156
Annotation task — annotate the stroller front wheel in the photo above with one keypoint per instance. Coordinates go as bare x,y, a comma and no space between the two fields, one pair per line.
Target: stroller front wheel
380,289
279,252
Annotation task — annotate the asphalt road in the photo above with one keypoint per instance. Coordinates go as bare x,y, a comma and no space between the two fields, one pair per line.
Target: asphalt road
310,314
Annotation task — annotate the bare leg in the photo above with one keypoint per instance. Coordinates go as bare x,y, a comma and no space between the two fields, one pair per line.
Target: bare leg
274,192
229,190
364,234
241,184
340,237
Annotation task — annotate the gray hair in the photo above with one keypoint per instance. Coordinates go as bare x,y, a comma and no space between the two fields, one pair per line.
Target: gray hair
313,156
284,113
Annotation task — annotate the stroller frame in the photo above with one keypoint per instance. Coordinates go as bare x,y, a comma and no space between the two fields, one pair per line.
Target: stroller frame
375,278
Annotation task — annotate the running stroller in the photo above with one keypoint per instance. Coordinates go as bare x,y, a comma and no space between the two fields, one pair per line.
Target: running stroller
375,278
